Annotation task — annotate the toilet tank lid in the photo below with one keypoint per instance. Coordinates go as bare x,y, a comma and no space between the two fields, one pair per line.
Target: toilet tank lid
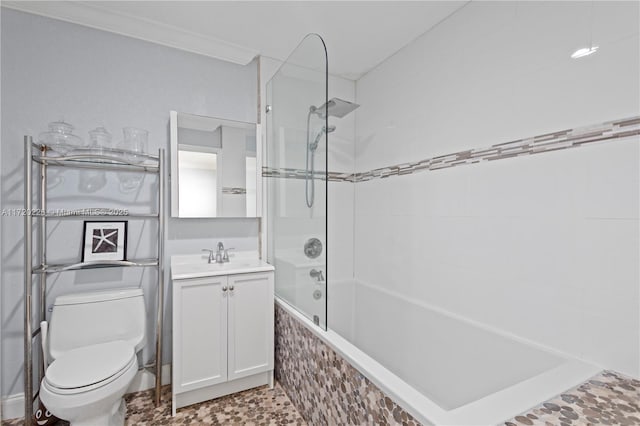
98,296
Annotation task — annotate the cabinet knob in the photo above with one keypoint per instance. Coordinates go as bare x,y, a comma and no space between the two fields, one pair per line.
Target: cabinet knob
224,288
230,288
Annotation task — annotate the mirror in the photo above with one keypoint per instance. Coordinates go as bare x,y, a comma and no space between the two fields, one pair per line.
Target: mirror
213,167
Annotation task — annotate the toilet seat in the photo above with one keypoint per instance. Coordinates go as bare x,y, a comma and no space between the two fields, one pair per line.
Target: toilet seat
89,367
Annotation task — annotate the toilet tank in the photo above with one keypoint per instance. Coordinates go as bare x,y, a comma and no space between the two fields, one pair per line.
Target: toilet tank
84,319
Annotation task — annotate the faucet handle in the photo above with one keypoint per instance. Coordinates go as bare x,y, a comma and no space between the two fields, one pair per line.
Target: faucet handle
225,256
211,258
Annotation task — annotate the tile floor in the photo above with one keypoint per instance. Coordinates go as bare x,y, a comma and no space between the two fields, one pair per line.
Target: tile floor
259,406
607,399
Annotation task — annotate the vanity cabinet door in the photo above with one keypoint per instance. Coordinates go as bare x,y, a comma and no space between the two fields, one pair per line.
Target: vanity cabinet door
199,333
251,318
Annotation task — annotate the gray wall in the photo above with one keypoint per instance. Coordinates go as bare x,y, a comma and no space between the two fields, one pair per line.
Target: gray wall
53,70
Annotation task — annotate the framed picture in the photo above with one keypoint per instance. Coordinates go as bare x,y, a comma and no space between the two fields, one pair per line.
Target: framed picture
104,240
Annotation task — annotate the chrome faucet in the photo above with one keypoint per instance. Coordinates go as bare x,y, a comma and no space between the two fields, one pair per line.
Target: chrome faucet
220,256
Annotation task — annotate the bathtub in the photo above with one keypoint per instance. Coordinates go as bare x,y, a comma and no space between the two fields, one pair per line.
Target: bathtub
440,368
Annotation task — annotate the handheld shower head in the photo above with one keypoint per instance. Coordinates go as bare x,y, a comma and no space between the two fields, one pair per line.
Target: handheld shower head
336,108
316,141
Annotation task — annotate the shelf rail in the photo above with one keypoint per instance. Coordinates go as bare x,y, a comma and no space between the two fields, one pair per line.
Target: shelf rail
28,287
104,159
46,269
159,317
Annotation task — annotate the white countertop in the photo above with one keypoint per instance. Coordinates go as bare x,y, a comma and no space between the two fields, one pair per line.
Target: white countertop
196,266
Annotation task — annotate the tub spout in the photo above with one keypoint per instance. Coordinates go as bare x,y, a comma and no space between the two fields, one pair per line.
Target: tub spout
317,274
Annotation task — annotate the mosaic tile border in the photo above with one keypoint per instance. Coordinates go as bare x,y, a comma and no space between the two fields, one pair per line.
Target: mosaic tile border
555,141
323,386
608,399
234,191
285,173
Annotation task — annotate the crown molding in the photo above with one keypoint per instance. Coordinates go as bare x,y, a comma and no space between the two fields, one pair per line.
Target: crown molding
94,16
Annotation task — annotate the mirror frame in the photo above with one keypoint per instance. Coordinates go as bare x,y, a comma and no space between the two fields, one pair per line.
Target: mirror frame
174,175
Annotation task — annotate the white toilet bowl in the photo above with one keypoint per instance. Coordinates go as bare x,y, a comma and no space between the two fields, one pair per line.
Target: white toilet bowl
86,385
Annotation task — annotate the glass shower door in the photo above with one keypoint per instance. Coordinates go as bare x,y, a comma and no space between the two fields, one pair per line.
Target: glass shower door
296,179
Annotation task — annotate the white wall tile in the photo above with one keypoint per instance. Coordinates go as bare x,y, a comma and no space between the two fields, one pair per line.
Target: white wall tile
543,246
512,60
607,345
612,173
607,265
340,231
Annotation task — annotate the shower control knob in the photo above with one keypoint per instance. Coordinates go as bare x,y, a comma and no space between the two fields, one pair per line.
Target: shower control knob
312,248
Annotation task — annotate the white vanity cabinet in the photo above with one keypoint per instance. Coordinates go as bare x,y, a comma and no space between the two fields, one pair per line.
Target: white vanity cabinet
223,332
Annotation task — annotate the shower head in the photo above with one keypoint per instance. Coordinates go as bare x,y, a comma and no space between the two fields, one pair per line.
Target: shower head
336,107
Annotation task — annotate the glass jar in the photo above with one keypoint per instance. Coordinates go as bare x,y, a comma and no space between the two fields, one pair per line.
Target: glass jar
60,138
135,143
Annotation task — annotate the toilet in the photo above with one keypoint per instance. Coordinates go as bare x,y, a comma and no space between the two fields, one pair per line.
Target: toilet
90,346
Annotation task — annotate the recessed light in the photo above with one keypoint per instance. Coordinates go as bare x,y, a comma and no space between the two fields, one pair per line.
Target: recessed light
585,51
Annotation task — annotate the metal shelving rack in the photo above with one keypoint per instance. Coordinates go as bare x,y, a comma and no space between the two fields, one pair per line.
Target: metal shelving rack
80,158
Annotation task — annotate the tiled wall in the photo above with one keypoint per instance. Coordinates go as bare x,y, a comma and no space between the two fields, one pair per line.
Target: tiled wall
324,387
544,247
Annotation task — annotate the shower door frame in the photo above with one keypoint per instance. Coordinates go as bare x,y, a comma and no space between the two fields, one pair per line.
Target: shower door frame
265,224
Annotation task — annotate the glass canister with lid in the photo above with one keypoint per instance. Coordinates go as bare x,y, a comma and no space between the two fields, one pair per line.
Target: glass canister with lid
60,138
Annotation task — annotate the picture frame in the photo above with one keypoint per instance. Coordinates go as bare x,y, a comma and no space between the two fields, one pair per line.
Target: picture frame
104,240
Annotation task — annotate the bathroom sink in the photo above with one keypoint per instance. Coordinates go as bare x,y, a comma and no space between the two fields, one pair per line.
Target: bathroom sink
195,266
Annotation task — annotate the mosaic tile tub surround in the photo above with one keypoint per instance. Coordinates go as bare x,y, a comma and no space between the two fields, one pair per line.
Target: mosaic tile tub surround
563,139
323,386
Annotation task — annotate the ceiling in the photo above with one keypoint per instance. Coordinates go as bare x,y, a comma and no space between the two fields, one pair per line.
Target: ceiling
359,34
